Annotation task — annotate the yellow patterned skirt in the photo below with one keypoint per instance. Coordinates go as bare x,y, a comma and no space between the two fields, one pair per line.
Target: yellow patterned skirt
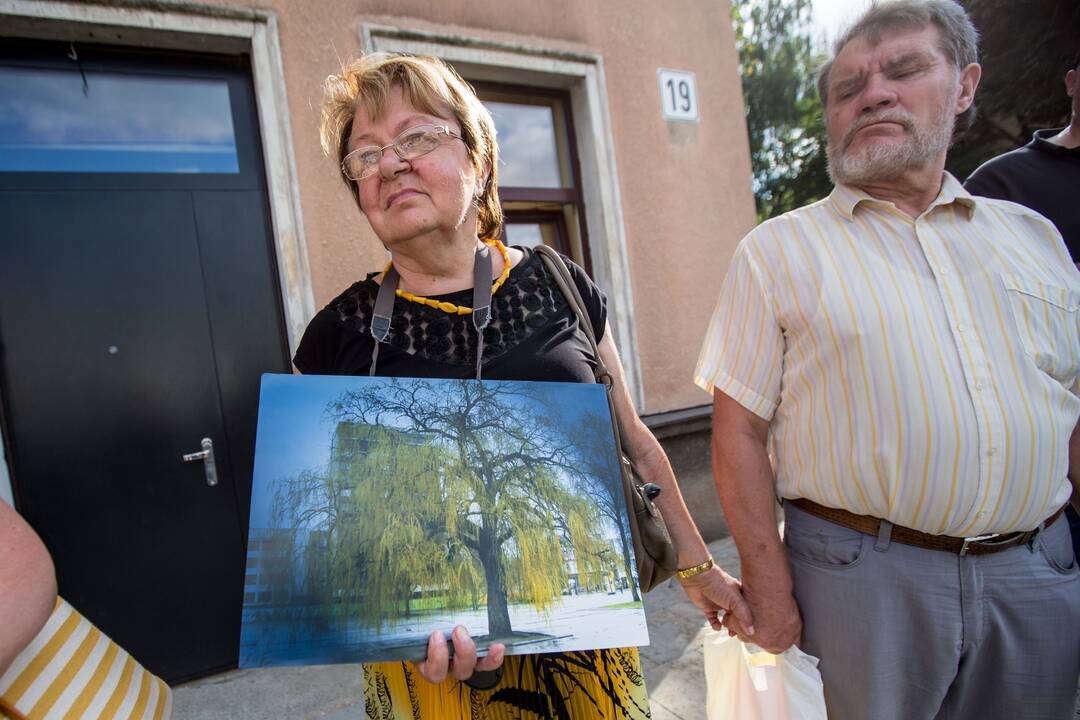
588,685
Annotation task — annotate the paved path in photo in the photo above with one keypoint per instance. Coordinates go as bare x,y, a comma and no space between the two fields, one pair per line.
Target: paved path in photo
574,622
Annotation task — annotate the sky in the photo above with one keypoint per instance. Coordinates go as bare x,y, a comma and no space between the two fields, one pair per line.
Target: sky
832,16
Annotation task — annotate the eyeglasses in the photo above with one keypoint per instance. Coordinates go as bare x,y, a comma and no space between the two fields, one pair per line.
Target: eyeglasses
411,144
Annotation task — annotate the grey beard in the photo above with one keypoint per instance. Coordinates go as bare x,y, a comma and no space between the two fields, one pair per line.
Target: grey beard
884,163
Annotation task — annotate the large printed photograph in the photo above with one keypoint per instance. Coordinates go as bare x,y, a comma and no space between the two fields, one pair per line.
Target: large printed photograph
385,508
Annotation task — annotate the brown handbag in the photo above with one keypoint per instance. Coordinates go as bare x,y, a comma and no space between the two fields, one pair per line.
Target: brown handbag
654,551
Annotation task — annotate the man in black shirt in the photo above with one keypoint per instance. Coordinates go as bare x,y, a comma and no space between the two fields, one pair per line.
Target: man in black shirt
1044,175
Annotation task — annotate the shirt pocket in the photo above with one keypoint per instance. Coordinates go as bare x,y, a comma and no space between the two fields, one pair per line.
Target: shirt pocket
1048,324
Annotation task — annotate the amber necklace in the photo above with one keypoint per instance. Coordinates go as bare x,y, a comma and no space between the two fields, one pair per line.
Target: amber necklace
481,316
451,308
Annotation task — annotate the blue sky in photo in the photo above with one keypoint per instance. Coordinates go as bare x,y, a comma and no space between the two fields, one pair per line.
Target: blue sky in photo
294,431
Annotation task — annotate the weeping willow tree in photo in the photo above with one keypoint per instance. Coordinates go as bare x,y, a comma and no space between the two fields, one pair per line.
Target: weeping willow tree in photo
457,489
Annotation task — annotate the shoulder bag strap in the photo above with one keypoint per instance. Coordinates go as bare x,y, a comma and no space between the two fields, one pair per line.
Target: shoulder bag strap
481,315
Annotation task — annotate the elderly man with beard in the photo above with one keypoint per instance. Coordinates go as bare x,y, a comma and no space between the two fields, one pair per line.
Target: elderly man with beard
909,355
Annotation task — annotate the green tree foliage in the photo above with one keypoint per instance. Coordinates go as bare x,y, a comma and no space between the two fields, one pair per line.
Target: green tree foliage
1024,50
777,61
461,494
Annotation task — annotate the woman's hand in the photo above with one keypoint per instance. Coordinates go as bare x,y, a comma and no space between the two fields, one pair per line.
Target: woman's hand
714,591
438,663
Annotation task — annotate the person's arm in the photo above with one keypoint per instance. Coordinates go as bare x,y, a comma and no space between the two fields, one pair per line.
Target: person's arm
27,585
713,590
745,483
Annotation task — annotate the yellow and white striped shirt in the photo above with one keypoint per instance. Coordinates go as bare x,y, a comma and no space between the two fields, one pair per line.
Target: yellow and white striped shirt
923,371
72,670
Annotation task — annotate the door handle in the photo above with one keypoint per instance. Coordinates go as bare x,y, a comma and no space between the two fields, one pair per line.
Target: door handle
207,457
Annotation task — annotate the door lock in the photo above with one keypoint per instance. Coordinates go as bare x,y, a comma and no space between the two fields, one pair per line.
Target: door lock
207,456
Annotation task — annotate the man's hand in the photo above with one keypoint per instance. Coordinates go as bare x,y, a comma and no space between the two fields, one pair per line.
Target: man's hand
777,625
715,591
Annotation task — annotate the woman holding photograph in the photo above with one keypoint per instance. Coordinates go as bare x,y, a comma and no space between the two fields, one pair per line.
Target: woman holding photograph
418,153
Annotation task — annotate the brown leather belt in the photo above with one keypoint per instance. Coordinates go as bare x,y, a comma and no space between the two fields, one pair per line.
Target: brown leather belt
979,545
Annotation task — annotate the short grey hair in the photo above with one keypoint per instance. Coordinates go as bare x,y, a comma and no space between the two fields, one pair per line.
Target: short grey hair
959,39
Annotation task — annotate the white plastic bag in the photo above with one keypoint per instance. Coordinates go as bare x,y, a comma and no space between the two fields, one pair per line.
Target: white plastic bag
746,683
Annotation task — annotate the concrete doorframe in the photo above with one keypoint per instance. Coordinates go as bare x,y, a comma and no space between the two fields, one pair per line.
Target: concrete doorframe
182,25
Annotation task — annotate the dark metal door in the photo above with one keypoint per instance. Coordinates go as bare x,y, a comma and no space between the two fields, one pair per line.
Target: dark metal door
137,312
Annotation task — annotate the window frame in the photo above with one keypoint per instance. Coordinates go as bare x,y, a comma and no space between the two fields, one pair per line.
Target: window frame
542,216
572,197
233,72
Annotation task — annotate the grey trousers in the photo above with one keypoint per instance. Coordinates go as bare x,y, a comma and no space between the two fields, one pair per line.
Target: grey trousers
916,634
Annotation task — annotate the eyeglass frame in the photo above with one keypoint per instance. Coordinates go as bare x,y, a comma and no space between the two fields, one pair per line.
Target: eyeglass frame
439,130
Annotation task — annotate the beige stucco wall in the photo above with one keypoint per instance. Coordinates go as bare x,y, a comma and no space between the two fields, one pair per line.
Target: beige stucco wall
685,188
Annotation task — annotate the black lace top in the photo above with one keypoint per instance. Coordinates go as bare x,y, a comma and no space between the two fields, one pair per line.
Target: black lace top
533,333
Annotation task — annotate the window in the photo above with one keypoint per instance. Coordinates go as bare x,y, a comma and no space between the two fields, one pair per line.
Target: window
539,178
54,120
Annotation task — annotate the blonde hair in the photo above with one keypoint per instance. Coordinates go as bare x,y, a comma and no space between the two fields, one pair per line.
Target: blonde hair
433,87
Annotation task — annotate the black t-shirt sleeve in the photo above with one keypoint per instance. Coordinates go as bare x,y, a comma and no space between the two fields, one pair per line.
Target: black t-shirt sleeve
320,345
331,347
595,301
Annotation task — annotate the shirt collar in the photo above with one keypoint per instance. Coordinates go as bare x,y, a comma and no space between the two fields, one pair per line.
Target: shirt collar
1041,141
846,198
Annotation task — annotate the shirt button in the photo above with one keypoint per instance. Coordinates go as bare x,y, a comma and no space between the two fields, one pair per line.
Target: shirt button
992,451
943,271
961,328
980,385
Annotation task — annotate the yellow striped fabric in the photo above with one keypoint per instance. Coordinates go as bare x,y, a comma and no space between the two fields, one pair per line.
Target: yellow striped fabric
924,371
72,670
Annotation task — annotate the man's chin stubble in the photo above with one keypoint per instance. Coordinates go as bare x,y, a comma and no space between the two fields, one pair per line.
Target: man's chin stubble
871,166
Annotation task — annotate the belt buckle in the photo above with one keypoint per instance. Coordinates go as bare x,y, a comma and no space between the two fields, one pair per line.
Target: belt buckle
976,539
